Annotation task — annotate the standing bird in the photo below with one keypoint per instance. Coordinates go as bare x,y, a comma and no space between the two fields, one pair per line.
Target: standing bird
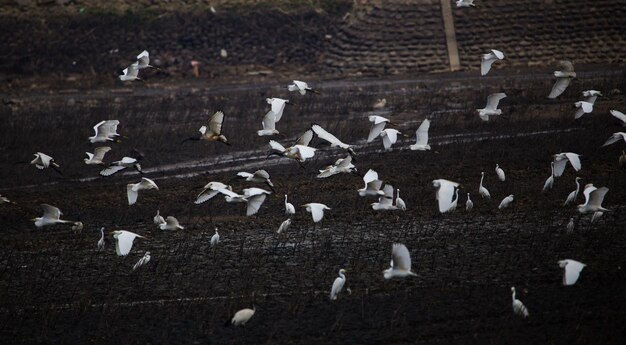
259,176
491,109
617,136
563,78
158,219
144,260
215,239
572,269
101,240
289,209
277,106
445,191
469,205
338,284
573,195
561,159
488,59
105,131
400,263
301,87
619,115
269,125
132,189
570,225
399,202
124,241
171,223
97,156
284,226
481,189
341,165
243,316
43,161
421,137
334,142
593,199
518,307
372,184
385,201
390,137
506,202
500,173
550,180
316,210
51,216
212,132
378,124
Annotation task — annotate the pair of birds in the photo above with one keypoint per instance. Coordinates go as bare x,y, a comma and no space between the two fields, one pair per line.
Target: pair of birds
169,223
385,195
558,164
131,73
390,136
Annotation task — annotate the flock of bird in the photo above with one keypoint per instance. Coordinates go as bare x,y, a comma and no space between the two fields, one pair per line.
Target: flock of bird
446,194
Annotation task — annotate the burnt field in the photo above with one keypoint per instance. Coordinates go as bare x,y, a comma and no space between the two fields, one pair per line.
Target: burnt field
56,287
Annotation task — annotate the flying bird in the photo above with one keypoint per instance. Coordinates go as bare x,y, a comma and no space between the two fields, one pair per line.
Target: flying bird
43,161
171,223
51,216
481,189
316,210
338,284
213,131
97,156
341,165
300,151
130,73
301,87
573,195
120,165
378,124
571,270
277,106
506,202
144,260
253,197
372,184
124,241
618,136
445,193
491,109
561,159
400,263
210,190
385,201
593,199
269,125
105,131
518,307
132,189
421,137
586,106
334,142
488,59
619,115
143,60
259,176
563,78
390,137
465,3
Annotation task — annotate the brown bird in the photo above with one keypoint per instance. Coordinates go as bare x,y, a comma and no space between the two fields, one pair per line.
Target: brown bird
214,131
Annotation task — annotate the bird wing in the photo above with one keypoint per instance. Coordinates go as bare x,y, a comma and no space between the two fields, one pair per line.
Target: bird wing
147,183
228,192
244,174
143,59
615,138
445,194
301,85
587,192
124,243
498,54
619,115
345,162
317,211
375,131
278,106
337,286
305,139
254,203
597,196
494,99
99,152
215,122
586,107
370,176
250,192
566,66
377,119
127,161
323,134
559,167
111,169
387,198
132,70
401,257
485,63
421,135
269,121
50,212
109,128
206,195
559,87
276,146
574,159
306,152
97,128
572,271
131,193
262,174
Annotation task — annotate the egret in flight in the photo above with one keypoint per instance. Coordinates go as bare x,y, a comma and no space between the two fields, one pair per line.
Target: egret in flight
43,161
488,59
618,136
269,125
300,151
400,263
372,184
563,79
445,193
341,165
378,124
390,137
105,131
125,162
421,137
316,210
619,115
132,189
277,106
491,109
334,142
124,241
571,270
97,156
51,216
259,176
213,131
385,201
561,159
301,87
593,199
210,190
171,223
586,106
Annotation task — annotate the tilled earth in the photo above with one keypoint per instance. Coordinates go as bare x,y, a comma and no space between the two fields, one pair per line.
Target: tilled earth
55,287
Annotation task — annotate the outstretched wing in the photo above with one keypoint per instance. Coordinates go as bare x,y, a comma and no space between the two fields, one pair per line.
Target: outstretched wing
305,139
559,87
401,257
494,99
421,135
215,123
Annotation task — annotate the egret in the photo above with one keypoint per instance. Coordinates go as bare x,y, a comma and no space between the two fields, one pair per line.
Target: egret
444,194
385,201
78,227
269,125
130,73
518,307
51,216
570,225
43,161
97,156
586,106
105,131
500,173
561,159
341,165
421,137
301,87
132,189
338,284
563,78
144,260
300,151
259,176
488,59
465,3
469,204
289,209
120,165
619,115
124,241
171,223
390,137
243,316
4,200
400,263
101,240
593,199
617,136
454,202
212,132
278,106
334,142
284,226
573,195
254,197
143,60
491,109
571,270
399,202
380,103
550,180
372,184
378,124
210,190
481,189
316,210
506,202
158,219
215,239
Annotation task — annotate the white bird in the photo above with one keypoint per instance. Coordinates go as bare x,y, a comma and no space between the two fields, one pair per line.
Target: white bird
289,209
481,189
316,210
488,59
232,197
380,103
300,151
213,130
570,225
341,165
97,156
469,204
132,189
51,216
561,159
506,202
465,3
563,78
105,131
390,137
617,136
378,124
338,284
120,165
43,161
269,125
259,176
301,87
500,173
284,226
573,195
143,60
124,241
210,190
130,73
385,201
334,142
144,260
454,202
518,307
550,180
255,198
400,263
4,200
619,115
445,193
586,106
372,184
593,199
399,202
277,106
491,109
171,223
78,227
571,270
243,316
421,137
215,239
158,219
101,240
